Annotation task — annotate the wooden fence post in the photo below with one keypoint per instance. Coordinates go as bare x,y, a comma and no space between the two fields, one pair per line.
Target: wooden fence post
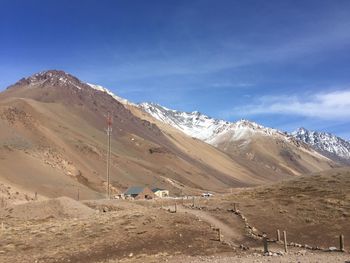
193,201
234,207
278,235
175,207
266,249
219,234
285,241
341,241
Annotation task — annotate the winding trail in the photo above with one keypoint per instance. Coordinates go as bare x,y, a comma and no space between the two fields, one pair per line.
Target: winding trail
229,233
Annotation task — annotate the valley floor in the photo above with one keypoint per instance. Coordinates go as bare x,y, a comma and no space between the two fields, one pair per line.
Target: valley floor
314,210
135,231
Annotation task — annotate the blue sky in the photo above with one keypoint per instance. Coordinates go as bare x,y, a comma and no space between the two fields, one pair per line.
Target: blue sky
283,64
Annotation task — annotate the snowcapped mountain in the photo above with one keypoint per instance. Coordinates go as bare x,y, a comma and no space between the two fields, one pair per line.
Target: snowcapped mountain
262,149
206,128
193,123
324,142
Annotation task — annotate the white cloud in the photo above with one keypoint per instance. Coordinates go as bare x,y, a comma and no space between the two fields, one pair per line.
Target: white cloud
331,105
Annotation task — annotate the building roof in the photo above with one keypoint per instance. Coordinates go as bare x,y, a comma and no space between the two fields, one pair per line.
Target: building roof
158,189
134,190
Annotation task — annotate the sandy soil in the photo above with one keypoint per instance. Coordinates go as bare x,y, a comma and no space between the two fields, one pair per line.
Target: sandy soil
58,208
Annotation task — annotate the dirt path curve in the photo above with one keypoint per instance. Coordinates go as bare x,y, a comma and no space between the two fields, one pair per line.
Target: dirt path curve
230,234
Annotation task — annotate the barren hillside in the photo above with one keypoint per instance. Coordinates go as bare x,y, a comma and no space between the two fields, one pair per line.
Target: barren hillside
53,141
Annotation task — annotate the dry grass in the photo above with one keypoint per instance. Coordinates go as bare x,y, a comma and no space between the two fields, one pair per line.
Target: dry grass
313,209
127,231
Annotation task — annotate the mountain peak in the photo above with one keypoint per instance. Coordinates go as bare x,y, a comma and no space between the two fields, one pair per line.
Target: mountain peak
299,131
60,82
302,129
52,77
52,74
248,123
324,142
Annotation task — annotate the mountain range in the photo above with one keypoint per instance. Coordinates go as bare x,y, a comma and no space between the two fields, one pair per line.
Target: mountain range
326,143
213,130
53,142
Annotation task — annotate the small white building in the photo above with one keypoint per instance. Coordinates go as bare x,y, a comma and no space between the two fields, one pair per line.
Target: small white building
160,192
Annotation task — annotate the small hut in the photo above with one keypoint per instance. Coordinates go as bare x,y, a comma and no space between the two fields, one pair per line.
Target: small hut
139,192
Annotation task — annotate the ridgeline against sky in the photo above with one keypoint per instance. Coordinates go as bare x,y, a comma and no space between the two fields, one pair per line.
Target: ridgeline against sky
284,64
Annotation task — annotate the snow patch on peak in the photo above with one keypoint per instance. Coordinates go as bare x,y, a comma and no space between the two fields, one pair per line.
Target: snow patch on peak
105,90
203,127
151,105
301,130
193,124
325,142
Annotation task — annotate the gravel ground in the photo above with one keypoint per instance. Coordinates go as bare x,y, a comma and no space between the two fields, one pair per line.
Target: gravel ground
301,256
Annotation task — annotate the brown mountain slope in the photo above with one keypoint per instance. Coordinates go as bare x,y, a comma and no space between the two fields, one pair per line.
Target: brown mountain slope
214,155
268,151
265,153
52,141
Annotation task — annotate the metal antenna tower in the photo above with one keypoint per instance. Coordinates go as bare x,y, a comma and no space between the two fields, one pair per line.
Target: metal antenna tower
109,133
